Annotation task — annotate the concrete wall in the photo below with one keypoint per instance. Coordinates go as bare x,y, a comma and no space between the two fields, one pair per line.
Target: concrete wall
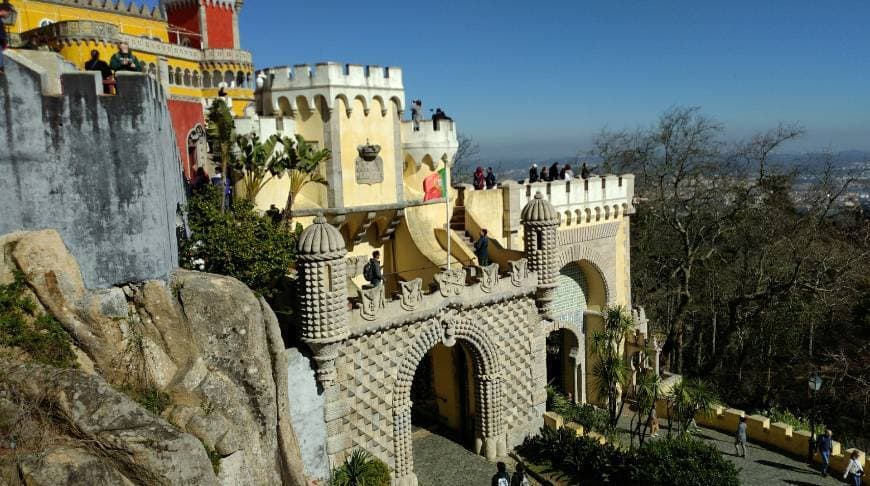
102,170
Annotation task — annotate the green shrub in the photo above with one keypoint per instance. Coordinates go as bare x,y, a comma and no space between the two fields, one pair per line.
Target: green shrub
151,399
361,469
578,457
683,461
41,336
787,417
590,417
239,243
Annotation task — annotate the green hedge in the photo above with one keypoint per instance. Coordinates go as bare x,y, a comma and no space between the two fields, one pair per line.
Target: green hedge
590,417
684,461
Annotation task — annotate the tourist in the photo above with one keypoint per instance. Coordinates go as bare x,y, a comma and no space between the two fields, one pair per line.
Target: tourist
479,181
826,446
481,248
501,478
519,477
416,113
124,60
372,271
438,116
567,174
274,214
854,468
740,438
584,171
533,173
5,11
200,179
653,423
555,172
490,178
545,174
97,64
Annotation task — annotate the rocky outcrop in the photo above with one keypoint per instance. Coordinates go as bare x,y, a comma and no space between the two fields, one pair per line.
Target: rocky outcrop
205,341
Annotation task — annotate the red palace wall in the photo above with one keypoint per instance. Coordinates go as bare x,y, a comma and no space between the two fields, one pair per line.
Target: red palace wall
185,18
185,115
220,26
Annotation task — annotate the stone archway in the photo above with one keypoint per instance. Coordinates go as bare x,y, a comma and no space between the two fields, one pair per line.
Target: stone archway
489,396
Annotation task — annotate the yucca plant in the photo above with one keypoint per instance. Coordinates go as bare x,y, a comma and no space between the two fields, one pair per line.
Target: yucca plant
686,399
221,133
611,370
361,468
302,163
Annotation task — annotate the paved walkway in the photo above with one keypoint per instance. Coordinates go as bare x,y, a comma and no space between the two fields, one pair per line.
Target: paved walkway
767,467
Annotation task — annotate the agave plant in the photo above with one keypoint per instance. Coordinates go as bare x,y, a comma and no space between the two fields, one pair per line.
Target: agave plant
361,469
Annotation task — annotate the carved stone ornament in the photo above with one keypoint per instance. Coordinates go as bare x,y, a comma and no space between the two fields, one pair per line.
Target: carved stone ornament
412,294
449,324
451,282
519,271
369,166
373,301
489,277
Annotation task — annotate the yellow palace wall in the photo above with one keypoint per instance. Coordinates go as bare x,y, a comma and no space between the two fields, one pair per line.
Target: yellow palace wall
30,13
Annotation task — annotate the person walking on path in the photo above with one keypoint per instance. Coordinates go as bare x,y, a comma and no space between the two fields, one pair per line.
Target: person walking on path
124,60
490,178
533,173
740,438
501,478
372,271
855,469
481,248
519,477
826,446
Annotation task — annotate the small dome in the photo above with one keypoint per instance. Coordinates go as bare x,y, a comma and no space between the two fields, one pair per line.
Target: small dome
539,210
320,240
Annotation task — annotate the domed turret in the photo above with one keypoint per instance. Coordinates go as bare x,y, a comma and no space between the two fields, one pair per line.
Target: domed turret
322,283
540,221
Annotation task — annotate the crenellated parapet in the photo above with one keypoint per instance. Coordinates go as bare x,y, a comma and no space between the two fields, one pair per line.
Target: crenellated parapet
116,7
279,88
435,138
578,200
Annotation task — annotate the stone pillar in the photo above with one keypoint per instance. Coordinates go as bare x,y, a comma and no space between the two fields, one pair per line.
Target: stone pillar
322,294
237,44
540,222
404,458
163,74
203,25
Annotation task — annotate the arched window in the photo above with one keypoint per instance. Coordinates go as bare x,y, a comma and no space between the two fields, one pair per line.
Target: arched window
196,79
171,76
179,77
229,78
206,79
216,77
187,77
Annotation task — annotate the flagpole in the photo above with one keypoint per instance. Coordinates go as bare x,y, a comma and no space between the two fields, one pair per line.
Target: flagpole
447,203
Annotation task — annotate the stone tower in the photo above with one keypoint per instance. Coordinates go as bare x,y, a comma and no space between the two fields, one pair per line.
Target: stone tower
540,222
322,304
214,24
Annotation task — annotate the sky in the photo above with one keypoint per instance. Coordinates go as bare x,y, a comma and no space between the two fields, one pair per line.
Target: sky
541,78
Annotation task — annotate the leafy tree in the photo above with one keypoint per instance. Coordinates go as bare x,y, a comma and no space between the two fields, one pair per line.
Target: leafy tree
611,370
361,468
239,243
221,135
302,165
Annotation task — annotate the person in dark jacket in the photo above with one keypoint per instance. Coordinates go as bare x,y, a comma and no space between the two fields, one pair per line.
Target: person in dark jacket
555,171
124,60
490,178
584,171
501,478
533,173
481,248
826,446
374,273
97,64
479,181
545,174
6,10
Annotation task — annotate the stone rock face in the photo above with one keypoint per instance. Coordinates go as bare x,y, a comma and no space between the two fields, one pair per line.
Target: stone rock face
205,341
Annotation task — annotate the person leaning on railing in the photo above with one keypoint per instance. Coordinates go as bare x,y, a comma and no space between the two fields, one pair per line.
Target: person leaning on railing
97,64
124,60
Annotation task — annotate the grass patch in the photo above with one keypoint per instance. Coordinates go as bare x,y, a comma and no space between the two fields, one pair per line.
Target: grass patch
213,456
150,398
41,336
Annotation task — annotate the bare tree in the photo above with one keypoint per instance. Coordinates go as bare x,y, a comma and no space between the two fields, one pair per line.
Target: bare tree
461,167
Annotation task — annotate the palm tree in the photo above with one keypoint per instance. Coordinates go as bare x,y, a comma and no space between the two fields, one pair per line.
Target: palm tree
686,399
302,162
221,132
611,369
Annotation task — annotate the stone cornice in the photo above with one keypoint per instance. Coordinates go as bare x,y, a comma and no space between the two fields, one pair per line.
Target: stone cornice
119,8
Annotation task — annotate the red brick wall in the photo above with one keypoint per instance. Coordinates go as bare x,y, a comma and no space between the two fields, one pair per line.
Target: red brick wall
220,26
185,115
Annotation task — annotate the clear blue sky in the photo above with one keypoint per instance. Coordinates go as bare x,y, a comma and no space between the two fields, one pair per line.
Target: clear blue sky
573,67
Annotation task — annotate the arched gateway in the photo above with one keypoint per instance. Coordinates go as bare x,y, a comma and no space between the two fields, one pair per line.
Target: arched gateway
368,349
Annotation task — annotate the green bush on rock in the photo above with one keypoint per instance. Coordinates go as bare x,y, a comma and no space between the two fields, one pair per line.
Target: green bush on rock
361,469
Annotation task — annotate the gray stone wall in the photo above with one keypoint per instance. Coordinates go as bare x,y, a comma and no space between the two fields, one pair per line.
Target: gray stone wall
102,170
306,413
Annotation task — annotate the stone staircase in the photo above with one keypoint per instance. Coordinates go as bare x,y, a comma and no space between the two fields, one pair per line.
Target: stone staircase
457,224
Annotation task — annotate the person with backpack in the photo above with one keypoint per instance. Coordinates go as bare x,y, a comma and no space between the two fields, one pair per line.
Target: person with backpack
372,272
854,468
519,478
501,478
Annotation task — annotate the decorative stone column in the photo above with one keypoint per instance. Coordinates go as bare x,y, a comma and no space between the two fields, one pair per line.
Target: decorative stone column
322,298
540,222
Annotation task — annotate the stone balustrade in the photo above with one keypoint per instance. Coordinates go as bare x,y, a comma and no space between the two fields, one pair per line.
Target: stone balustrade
598,198
436,141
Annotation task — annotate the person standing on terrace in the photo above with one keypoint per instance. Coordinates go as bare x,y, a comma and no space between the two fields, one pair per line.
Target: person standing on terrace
533,173
97,64
124,60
